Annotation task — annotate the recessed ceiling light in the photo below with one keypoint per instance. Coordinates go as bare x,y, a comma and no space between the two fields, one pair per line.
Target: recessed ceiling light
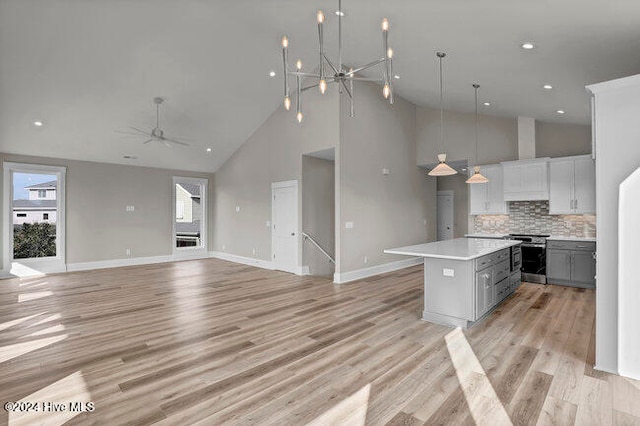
527,45
272,73
208,149
37,123
547,86
560,111
339,13
464,170
397,77
487,104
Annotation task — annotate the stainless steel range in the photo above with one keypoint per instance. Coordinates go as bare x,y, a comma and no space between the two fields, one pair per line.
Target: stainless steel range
534,256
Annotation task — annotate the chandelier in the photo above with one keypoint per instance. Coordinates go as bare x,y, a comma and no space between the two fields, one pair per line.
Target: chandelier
334,72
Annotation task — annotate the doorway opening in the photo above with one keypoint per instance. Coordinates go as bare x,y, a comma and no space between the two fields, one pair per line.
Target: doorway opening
34,224
318,213
189,233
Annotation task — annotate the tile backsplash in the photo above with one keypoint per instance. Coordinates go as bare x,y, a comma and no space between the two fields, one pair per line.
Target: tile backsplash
532,217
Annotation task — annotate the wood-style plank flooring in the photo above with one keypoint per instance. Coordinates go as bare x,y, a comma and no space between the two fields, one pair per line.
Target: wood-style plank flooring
212,342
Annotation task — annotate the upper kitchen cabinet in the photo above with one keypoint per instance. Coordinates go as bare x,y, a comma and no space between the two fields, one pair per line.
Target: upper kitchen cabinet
572,185
488,198
526,180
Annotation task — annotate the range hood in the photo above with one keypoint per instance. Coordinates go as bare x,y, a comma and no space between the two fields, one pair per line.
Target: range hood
526,138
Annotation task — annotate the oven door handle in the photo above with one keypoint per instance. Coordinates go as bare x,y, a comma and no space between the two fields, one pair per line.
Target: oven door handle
534,245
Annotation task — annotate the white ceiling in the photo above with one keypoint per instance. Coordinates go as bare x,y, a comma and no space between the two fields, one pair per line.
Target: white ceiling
89,68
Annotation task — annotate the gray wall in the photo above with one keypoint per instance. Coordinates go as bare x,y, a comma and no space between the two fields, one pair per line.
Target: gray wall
387,211
561,140
456,183
617,156
272,154
497,137
97,225
318,213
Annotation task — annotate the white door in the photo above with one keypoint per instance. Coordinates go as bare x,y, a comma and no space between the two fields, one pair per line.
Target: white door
284,226
445,215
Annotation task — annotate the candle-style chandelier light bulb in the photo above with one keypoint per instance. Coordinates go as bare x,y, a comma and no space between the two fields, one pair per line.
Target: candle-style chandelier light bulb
334,71
287,103
322,85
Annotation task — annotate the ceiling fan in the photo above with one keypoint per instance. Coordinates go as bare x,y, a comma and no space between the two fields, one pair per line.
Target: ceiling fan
156,134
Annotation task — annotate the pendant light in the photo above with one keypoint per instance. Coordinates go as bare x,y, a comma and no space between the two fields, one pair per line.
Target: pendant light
442,169
477,177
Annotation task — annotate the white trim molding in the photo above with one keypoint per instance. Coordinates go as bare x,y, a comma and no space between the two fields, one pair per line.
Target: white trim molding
358,274
132,261
259,263
39,265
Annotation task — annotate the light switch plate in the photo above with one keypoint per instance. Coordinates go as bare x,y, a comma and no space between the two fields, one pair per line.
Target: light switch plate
237,209
446,272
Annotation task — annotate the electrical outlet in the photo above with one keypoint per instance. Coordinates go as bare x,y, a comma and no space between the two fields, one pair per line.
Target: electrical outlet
130,208
366,260
386,172
224,247
237,209
348,225
128,252
424,221
267,224
254,251
446,272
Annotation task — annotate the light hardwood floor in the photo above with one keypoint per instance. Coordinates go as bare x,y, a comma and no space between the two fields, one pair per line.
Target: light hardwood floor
213,342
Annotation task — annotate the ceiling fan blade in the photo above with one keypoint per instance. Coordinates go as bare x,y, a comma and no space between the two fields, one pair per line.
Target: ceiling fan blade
166,143
128,133
175,141
150,140
140,130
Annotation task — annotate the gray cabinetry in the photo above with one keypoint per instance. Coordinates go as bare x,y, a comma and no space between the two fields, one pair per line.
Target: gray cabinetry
571,263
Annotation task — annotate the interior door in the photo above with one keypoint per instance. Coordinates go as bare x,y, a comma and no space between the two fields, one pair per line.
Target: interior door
445,216
284,228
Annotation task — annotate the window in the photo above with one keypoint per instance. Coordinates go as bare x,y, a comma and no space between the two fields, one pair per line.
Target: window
45,216
42,193
190,214
21,215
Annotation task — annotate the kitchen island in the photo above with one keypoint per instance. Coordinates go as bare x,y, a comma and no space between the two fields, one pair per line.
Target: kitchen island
465,278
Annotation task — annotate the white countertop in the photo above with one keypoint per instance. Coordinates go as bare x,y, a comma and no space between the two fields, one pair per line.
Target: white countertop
495,236
588,239
458,249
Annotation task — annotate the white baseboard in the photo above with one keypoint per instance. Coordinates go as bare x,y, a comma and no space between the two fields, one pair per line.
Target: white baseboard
345,277
6,275
608,370
304,270
134,261
264,264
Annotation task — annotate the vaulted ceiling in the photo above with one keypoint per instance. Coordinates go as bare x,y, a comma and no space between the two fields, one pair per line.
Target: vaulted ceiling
89,68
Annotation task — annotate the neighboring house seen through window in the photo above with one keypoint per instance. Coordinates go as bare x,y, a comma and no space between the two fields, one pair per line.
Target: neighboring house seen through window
42,193
45,216
21,215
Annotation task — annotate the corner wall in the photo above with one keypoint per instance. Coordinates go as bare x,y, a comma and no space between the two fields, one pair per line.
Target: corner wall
272,154
386,211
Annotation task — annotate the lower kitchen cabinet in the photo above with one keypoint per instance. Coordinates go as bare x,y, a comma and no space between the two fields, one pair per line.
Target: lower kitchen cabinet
571,263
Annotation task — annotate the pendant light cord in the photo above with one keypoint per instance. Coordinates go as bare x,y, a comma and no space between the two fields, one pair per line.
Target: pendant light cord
440,56
475,86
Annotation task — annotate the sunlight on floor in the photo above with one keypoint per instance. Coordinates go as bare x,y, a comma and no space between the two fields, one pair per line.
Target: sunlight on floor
26,297
9,324
351,411
66,391
483,402
23,271
18,349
